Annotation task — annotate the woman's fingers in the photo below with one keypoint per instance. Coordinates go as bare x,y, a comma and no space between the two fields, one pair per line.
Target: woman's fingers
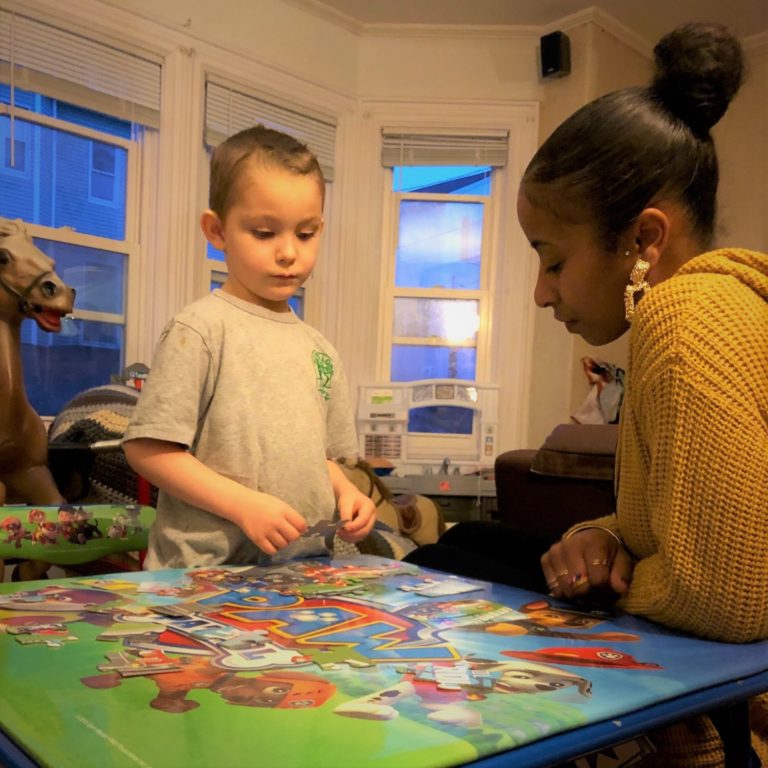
588,560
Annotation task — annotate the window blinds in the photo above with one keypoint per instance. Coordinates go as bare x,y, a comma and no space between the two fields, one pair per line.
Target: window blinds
36,56
433,148
229,110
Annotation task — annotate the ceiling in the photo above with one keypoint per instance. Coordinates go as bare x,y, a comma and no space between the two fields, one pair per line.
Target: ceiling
650,19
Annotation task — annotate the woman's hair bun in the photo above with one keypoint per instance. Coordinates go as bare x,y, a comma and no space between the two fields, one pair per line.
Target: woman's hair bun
699,69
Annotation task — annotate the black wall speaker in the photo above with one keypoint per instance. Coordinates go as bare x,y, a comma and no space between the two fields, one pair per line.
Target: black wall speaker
555,55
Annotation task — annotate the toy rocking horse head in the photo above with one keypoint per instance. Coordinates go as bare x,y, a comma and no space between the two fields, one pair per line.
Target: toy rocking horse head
29,287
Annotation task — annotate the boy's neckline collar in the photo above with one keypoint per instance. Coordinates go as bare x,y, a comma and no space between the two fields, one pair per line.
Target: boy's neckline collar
256,309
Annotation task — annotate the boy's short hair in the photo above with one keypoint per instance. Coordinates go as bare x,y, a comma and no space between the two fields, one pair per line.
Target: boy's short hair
263,145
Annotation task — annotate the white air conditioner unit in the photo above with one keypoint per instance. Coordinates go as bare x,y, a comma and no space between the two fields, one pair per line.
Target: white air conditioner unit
424,422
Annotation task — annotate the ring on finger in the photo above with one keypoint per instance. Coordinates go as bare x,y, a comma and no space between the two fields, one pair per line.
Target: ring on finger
598,561
561,574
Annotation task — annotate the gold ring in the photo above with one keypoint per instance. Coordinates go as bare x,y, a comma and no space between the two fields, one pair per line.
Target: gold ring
552,584
598,562
561,574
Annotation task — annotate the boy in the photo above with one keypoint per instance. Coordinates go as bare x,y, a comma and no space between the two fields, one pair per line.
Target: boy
245,402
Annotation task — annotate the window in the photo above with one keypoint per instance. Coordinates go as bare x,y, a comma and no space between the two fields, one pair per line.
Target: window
78,131
104,172
14,159
229,109
91,252
438,289
438,248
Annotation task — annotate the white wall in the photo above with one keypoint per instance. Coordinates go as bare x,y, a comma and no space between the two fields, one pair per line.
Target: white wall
270,31
358,77
604,61
612,64
741,140
440,65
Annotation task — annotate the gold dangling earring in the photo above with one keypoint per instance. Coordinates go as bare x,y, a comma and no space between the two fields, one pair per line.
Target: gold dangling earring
637,284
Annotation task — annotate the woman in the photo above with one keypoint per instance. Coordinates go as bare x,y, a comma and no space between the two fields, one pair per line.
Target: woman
619,203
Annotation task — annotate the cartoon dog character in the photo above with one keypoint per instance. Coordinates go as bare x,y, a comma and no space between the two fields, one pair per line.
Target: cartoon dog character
545,620
66,521
85,528
14,529
119,527
444,690
46,532
277,689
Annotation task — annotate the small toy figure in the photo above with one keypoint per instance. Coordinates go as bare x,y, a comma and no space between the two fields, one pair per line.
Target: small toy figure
46,532
66,520
132,518
84,528
36,516
15,530
119,527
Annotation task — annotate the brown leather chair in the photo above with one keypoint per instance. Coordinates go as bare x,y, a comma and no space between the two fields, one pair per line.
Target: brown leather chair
543,492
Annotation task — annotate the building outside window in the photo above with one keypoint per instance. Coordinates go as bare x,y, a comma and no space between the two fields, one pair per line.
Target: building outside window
79,120
104,178
14,151
50,186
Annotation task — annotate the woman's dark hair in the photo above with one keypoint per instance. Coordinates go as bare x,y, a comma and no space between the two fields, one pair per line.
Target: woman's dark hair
261,145
619,153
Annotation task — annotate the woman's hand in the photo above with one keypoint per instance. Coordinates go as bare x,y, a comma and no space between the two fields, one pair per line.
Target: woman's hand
590,561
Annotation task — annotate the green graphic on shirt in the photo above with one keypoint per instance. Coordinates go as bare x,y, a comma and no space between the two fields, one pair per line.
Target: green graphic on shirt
324,369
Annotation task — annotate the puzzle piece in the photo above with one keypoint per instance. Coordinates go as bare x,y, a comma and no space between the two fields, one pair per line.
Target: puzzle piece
51,641
435,588
324,528
132,662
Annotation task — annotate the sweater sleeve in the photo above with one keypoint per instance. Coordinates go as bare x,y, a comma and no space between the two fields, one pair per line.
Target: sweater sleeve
699,476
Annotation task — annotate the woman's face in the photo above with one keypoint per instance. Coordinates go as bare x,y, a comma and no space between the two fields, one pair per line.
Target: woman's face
581,280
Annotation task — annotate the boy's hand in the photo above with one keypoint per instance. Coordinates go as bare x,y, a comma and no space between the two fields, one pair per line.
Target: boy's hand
270,523
357,512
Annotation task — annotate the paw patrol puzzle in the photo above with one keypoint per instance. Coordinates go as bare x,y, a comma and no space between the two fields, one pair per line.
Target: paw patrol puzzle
359,662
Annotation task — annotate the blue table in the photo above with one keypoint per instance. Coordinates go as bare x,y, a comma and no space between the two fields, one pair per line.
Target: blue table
359,662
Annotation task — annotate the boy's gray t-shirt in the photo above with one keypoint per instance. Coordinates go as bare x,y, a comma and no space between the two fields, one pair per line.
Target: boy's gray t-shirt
258,396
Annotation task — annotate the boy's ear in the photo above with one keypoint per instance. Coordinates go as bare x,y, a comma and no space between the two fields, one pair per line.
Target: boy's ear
213,228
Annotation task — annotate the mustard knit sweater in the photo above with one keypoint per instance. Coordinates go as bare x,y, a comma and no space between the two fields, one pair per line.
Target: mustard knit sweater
692,463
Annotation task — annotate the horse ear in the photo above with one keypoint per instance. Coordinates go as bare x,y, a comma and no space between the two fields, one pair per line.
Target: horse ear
10,226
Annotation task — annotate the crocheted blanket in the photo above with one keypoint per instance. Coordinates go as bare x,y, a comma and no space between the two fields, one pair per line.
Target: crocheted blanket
93,416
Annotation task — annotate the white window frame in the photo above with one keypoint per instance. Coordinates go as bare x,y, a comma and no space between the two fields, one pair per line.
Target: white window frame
128,246
391,291
506,348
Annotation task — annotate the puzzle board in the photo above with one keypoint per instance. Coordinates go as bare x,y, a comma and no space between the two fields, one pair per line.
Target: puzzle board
360,662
